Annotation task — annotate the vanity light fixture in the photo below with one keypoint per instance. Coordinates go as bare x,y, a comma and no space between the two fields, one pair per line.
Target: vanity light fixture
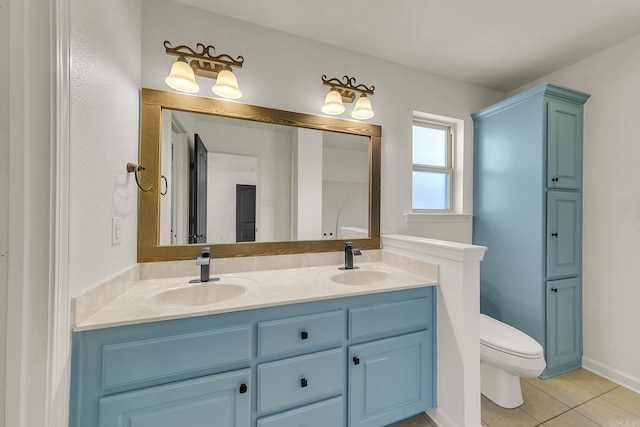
203,63
345,91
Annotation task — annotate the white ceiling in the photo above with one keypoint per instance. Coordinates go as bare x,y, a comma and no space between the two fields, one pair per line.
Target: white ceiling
501,44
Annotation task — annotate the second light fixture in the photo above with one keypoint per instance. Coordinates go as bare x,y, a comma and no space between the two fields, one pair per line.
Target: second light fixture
345,91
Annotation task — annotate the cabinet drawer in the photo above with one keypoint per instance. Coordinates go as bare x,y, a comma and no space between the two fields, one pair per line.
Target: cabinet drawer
397,317
301,379
144,360
321,414
299,333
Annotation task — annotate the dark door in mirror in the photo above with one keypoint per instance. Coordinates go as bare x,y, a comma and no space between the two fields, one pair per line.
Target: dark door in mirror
199,213
245,213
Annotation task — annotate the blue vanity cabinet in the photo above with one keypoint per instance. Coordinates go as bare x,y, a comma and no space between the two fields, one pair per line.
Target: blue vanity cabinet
528,212
283,366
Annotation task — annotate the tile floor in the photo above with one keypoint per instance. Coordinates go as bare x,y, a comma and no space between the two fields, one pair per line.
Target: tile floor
575,399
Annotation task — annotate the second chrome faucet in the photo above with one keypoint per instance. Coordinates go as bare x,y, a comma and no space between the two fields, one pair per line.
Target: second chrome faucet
349,252
204,261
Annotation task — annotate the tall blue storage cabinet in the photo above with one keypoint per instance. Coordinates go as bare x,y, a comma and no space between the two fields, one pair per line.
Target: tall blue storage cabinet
528,212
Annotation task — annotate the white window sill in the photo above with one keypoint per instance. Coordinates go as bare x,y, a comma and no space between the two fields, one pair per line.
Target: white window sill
414,218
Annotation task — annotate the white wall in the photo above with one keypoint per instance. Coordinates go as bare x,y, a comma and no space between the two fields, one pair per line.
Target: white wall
29,208
284,71
345,190
308,177
4,191
611,208
105,82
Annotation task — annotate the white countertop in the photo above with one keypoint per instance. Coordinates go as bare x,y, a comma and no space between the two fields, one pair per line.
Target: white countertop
262,289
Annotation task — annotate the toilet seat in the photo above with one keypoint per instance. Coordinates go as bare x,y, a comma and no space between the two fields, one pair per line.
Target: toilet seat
507,339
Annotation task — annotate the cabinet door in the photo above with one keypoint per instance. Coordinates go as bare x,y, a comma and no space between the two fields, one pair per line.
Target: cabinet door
223,400
390,379
564,231
564,145
564,325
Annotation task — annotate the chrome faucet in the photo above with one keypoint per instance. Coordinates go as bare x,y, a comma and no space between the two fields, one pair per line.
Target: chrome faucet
349,252
204,261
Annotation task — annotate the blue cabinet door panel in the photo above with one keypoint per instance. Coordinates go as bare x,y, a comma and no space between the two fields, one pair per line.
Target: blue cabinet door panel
564,145
564,231
564,326
203,402
389,379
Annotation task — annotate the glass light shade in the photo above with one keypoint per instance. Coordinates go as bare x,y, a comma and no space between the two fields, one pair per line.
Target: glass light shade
362,109
333,103
182,78
227,85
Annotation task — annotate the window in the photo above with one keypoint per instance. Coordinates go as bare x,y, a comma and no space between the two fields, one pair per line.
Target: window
432,167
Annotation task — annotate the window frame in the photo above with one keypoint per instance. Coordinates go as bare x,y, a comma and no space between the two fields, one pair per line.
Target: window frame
449,168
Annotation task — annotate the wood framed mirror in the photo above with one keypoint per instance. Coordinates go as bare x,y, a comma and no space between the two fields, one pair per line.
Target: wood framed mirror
157,109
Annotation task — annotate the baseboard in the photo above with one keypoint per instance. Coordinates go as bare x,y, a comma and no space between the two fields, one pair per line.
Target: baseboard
611,374
440,418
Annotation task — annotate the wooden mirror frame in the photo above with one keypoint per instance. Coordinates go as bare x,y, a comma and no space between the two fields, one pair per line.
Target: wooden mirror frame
153,101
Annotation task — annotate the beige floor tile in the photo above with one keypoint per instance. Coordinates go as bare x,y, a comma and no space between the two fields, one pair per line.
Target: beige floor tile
419,420
624,398
563,390
570,419
607,414
589,381
484,424
496,416
539,404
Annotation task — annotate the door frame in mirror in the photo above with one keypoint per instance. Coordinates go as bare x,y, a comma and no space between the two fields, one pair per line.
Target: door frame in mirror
152,103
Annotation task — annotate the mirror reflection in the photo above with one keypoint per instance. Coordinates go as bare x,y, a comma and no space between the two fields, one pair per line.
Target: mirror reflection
229,180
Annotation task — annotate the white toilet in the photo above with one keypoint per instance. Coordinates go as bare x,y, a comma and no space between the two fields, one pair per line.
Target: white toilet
506,355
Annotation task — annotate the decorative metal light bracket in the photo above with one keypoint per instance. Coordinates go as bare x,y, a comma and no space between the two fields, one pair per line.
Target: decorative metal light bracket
347,87
204,62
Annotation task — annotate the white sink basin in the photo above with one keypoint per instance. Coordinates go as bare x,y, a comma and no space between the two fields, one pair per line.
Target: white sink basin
198,294
361,277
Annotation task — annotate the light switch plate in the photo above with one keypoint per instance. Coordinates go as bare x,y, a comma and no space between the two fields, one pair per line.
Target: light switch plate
116,231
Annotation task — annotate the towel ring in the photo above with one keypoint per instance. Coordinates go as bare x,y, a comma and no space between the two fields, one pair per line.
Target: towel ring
131,167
